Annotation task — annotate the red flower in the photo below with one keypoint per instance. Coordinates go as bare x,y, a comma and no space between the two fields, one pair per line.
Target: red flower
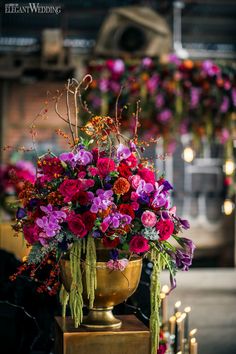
105,166
83,198
70,189
31,233
131,161
127,209
107,242
88,219
76,225
138,244
51,167
124,171
165,228
147,175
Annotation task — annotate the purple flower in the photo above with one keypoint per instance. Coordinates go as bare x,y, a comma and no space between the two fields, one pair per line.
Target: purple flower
103,200
21,213
233,92
183,260
160,198
115,221
50,224
187,244
123,152
152,83
118,66
144,188
68,157
159,102
210,68
33,202
164,116
96,234
103,85
114,254
167,186
133,147
83,157
194,97
224,105
184,223
147,62
172,58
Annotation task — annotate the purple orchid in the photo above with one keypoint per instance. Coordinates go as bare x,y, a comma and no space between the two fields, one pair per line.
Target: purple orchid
50,224
103,200
69,158
123,152
115,221
144,188
83,157
160,197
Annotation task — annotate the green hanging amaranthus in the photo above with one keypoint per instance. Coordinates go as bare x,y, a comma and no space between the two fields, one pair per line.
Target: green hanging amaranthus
155,300
75,297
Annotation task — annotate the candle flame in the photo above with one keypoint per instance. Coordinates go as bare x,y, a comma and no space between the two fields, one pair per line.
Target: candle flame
162,296
181,318
172,319
177,304
192,332
178,314
165,289
193,340
187,309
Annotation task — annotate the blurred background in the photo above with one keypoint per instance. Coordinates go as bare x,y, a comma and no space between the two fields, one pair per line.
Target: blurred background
179,59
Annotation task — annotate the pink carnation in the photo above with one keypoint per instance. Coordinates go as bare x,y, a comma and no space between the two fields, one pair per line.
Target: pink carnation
138,244
165,228
148,219
118,264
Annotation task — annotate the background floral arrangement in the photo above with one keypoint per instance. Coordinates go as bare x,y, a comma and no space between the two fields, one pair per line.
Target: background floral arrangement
177,96
13,177
101,189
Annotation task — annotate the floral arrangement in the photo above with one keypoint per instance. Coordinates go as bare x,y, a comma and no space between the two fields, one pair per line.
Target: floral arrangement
177,96
13,177
102,189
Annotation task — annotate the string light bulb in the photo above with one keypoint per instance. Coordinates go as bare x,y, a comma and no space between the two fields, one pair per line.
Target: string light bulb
188,154
229,167
228,207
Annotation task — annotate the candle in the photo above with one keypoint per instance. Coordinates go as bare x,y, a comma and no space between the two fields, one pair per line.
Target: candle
164,310
191,335
193,346
172,320
180,324
186,322
176,343
177,306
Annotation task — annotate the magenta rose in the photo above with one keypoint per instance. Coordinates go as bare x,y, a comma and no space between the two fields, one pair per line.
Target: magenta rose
148,219
147,175
165,228
138,244
31,233
70,189
105,166
76,225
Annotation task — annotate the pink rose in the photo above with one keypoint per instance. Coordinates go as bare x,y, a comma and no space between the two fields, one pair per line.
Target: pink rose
76,225
134,181
119,264
165,228
148,219
105,166
138,244
147,175
70,189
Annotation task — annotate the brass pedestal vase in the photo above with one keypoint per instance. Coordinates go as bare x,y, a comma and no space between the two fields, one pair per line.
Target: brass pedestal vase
113,287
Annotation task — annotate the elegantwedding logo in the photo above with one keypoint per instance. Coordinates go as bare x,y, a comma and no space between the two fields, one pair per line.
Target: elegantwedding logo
31,8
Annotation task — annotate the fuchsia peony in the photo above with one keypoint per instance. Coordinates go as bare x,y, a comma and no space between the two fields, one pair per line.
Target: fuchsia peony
165,228
139,244
105,166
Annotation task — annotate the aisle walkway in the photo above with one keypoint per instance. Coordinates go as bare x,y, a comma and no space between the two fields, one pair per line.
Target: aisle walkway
211,293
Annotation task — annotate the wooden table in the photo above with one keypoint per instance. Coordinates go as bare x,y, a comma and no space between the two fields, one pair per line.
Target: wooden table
132,338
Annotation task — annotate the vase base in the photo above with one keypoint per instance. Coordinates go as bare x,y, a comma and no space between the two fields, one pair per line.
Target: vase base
101,318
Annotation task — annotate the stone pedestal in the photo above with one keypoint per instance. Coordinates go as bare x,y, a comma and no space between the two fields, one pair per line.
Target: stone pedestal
132,338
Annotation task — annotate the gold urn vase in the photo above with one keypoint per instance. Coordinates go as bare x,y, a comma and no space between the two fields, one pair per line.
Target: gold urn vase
113,287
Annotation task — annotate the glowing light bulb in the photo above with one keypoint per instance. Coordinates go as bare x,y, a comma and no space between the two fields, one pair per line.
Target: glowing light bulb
229,167
188,154
228,207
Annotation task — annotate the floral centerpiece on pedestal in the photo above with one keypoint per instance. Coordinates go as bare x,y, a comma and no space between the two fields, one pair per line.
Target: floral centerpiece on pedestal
102,189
